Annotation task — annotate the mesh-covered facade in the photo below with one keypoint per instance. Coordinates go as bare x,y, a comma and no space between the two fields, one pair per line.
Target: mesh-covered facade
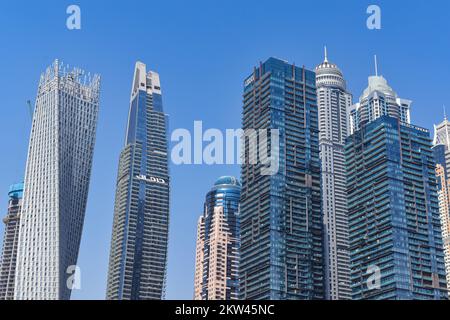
56,182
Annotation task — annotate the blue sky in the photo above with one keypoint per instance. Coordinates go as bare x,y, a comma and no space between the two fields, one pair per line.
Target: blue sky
203,50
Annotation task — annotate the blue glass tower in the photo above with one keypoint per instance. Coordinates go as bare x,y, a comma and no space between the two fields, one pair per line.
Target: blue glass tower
394,224
138,257
218,242
281,218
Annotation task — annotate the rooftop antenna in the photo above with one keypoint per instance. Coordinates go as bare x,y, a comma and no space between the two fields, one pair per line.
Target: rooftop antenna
445,113
326,54
376,66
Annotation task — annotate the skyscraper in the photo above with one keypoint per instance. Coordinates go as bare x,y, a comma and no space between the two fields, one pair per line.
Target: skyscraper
217,253
441,149
394,229
377,100
138,257
56,182
199,259
10,242
281,218
334,101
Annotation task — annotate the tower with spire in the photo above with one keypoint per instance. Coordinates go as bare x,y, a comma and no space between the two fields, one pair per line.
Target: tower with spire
442,132
333,100
378,99
376,65
441,151
392,201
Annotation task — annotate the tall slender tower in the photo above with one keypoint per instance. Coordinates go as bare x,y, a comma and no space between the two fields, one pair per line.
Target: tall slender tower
56,182
441,149
394,227
281,217
138,257
10,242
217,258
334,101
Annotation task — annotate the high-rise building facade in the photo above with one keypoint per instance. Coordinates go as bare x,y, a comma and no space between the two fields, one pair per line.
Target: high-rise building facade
377,100
56,182
281,218
199,258
441,149
139,244
217,252
333,101
10,242
394,227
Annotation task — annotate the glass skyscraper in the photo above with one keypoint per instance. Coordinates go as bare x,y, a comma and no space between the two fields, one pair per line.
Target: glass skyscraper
281,218
218,236
395,231
10,242
56,185
138,257
395,236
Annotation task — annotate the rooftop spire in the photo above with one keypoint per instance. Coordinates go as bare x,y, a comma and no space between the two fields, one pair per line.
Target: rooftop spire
445,113
326,54
376,65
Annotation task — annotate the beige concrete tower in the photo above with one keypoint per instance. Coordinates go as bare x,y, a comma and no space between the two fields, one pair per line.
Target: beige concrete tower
217,253
199,259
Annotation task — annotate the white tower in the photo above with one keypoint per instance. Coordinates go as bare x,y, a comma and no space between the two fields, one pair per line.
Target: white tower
333,101
56,183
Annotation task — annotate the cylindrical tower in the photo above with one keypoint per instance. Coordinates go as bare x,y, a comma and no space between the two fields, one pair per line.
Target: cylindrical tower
218,243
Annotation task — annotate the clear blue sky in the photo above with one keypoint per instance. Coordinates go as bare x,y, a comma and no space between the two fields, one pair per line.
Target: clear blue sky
203,50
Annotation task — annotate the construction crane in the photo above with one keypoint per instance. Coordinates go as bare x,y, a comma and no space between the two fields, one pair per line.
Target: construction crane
30,109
